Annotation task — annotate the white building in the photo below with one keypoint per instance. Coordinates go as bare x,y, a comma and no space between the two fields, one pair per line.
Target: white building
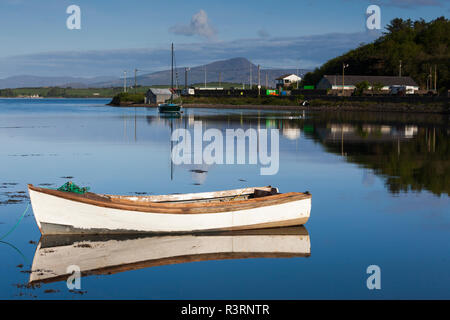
287,79
335,82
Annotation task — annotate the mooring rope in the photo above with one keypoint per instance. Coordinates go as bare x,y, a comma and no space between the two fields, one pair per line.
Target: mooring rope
17,223
18,251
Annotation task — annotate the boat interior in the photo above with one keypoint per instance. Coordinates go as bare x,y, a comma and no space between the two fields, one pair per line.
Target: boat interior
207,197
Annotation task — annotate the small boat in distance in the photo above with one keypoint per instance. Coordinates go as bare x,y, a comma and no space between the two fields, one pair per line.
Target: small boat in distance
62,212
170,107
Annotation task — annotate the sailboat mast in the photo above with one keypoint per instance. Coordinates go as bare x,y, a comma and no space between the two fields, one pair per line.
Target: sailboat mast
171,79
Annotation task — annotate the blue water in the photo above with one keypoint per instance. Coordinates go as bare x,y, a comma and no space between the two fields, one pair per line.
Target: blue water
379,183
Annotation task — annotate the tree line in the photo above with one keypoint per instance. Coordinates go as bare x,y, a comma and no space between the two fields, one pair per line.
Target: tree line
421,47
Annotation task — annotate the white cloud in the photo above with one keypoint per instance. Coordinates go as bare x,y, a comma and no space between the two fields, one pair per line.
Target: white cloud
200,25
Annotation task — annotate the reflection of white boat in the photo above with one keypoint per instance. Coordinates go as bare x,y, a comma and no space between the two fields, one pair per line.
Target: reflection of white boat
59,212
112,254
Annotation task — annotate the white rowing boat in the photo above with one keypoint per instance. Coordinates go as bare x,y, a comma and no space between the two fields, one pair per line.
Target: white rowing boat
59,212
109,254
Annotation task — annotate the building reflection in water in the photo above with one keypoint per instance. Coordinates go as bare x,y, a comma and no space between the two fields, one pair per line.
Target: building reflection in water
402,149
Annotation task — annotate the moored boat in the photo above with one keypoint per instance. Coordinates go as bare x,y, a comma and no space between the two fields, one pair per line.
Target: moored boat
170,107
61,212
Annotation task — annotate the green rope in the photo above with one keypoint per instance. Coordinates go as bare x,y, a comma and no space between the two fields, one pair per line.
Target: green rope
12,229
15,226
18,251
72,187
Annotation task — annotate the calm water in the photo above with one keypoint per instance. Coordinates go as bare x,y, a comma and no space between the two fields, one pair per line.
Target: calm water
380,186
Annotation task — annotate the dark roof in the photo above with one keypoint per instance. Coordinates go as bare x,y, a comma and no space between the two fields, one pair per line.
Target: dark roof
387,81
285,76
157,91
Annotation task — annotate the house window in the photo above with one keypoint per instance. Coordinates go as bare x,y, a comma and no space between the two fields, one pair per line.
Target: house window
286,80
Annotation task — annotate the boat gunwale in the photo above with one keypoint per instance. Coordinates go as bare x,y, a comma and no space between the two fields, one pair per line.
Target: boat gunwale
178,208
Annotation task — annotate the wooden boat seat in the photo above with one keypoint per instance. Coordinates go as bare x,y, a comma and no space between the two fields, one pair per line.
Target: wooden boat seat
259,193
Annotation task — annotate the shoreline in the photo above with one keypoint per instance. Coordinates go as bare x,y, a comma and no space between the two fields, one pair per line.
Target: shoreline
49,98
347,106
387,107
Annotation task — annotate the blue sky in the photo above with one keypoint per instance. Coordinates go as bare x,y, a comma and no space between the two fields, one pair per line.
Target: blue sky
118,34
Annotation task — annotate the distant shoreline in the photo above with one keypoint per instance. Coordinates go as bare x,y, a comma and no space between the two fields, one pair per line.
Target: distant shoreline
50,98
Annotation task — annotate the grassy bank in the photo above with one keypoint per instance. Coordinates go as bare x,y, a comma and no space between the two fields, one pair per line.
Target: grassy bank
335,105
126,98
240,101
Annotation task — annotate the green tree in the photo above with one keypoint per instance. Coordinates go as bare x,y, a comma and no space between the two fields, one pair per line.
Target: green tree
56,92
418,44
376,87
7,93
360,87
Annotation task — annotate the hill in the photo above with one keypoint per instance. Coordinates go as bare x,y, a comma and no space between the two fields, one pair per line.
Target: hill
236,70
419,45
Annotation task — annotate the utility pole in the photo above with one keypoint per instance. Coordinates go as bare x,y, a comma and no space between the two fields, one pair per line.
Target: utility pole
205,76
186,77
259,80
220,78
297,76
430,76
400,69
251,80
267,81
125,81
435,77
135,81
343,72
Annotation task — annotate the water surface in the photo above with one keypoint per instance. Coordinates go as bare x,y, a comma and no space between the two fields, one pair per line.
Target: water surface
380,184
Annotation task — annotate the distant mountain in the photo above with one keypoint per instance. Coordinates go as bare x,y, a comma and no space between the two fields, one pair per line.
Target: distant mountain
28,81
236,70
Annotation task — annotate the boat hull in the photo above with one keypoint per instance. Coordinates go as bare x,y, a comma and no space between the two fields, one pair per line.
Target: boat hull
66,213
169,108
57,215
